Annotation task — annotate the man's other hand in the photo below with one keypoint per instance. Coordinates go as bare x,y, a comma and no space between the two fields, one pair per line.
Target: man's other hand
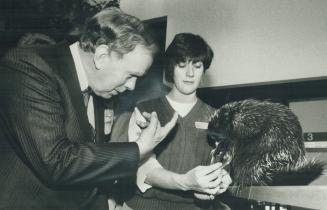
153,133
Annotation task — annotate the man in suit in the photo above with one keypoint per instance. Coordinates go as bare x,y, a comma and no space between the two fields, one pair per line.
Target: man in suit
49,158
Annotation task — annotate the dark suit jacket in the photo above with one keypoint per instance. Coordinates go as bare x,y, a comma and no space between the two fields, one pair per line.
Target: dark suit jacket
47,157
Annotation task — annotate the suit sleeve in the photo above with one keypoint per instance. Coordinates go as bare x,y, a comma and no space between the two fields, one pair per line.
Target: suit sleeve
33,118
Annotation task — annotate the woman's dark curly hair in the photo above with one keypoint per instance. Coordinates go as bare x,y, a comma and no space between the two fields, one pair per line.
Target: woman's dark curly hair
186,46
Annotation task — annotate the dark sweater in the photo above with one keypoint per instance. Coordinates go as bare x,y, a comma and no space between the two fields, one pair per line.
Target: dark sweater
183,149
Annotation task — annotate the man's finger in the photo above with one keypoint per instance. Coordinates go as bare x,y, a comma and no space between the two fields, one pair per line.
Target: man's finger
153,124
146,115
133,129
142,124
139,116
158,128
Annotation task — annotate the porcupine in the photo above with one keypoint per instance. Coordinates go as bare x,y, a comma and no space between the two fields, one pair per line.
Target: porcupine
263,141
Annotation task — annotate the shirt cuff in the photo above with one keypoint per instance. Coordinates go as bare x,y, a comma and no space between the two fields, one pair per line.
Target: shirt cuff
150,164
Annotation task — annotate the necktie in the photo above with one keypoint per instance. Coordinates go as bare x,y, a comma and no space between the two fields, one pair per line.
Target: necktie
103,115
99,119
87,93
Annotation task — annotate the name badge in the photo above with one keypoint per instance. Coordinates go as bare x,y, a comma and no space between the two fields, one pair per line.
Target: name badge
201,125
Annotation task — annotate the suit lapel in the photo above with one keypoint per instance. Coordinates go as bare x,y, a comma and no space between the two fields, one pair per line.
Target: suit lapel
62,60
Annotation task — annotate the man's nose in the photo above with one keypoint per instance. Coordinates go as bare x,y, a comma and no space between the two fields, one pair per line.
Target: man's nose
130,83
190,70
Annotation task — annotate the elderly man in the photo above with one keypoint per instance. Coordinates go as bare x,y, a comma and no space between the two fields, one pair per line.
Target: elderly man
50,157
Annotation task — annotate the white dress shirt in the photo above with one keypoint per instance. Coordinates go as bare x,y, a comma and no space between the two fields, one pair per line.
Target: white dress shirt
83,82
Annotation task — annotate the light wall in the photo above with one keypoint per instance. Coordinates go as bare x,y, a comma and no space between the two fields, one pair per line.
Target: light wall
312,114
255,41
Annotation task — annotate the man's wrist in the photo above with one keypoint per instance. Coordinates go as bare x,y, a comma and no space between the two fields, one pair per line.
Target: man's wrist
143,153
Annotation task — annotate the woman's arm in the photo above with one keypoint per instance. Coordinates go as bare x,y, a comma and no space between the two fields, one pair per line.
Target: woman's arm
205,179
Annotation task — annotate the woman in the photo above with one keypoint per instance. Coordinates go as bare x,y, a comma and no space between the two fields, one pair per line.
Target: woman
176,176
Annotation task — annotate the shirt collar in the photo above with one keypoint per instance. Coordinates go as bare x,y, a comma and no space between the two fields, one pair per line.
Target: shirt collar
81,74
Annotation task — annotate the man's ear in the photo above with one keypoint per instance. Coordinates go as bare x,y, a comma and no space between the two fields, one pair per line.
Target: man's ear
100,55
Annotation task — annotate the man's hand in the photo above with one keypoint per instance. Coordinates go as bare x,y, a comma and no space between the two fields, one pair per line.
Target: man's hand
135,126
153,133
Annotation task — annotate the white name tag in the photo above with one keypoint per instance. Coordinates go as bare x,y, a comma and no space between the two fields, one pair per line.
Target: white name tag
201,125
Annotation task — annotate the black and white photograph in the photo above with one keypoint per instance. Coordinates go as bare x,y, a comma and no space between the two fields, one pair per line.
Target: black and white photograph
163,104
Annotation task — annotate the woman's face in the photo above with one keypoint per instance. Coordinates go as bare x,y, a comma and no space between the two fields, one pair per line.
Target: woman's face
187,76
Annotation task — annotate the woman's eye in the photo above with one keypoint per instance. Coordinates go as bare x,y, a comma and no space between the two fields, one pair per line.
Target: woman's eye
198,65
181,65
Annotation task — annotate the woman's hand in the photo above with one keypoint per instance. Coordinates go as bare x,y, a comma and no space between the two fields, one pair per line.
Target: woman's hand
225,181
204,179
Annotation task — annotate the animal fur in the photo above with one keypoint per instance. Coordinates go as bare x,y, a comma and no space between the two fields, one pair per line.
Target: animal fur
263,143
